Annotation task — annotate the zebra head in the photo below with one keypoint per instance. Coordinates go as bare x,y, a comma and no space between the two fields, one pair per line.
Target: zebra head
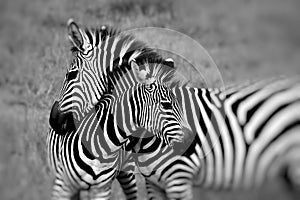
68,108
82,86
95,51
156,107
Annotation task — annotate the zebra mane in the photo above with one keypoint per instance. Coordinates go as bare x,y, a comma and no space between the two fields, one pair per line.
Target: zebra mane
129,47
158,68
100,33
126,49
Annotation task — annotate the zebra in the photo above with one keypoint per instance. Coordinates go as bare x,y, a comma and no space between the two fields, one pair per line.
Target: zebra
56,136
231,112
90,156
92,50
242,136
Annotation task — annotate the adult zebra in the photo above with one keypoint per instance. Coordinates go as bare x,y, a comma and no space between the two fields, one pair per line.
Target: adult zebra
71,167
83,51
243,136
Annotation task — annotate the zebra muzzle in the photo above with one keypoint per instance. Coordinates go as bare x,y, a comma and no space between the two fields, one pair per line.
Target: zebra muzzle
60,122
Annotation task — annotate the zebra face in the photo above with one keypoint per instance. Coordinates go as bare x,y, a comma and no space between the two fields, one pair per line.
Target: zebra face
64,112
81,88
161,113
86,79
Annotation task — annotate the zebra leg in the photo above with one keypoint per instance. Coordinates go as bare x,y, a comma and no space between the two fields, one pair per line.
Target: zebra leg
154,192
84,195
292,175
128,183
100,194
76,196
61,191
126,175
179,190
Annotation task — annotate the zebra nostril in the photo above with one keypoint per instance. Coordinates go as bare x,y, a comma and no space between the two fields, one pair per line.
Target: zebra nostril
61,122
55,118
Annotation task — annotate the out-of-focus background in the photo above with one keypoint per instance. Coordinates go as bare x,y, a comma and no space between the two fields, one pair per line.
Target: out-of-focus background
248,39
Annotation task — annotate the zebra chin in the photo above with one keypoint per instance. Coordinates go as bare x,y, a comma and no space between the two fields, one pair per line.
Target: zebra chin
181,137
61,123
176,133
172,137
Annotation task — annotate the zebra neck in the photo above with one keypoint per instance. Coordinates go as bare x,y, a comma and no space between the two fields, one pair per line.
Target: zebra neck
124,114
198,107
195,102
105,129
96,135
121,80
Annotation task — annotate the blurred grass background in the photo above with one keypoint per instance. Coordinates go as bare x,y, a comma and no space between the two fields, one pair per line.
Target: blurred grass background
247,39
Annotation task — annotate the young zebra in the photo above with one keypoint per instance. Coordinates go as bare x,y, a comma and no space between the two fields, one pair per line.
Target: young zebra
90,157
242,137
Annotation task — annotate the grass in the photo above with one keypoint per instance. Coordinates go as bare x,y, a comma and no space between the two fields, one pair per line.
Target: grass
34,53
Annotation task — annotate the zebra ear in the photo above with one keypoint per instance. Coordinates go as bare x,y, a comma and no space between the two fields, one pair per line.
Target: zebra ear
141,75
169,62
75,34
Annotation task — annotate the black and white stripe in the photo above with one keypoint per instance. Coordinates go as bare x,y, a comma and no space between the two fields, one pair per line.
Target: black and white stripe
89,48
96,53
76,171
90,156
241,137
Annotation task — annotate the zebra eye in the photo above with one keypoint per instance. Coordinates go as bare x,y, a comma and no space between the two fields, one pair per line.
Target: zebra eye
71,75
166,105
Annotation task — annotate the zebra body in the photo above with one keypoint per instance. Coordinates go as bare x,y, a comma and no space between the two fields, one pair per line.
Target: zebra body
73,177
241,137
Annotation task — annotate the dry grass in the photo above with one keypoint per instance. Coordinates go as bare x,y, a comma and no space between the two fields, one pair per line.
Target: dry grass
248,39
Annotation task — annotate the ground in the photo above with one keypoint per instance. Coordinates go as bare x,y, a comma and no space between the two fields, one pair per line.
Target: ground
248,39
